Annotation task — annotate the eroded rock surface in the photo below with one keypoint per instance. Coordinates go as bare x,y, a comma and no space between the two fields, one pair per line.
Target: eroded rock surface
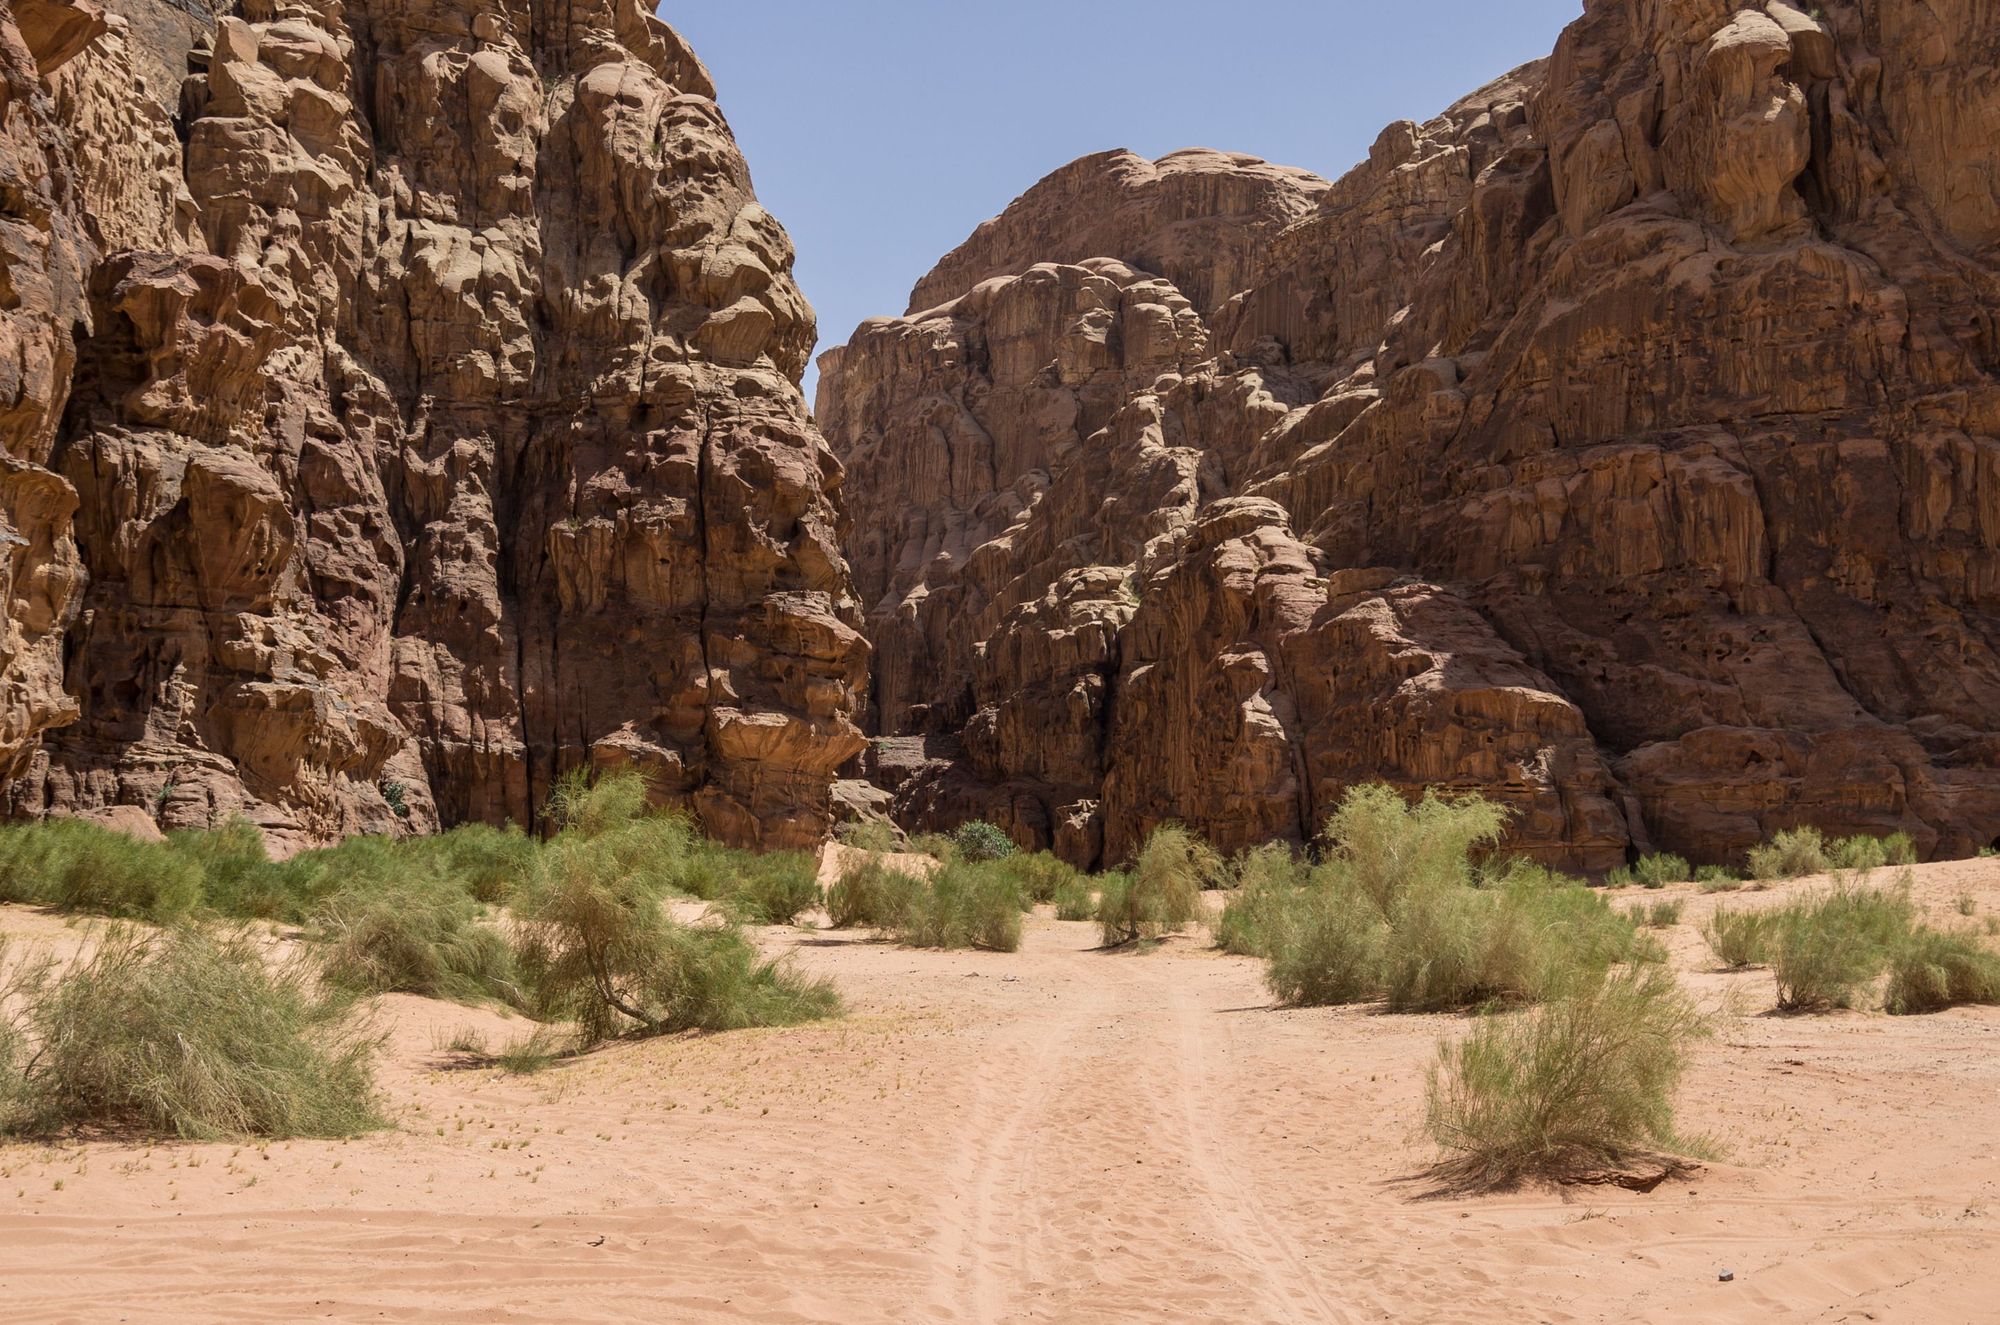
1621,443
417,385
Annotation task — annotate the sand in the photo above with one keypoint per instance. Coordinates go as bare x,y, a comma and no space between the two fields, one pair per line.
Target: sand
1055,1135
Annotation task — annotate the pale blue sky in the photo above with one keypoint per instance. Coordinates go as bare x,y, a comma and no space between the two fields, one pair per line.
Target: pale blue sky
882,131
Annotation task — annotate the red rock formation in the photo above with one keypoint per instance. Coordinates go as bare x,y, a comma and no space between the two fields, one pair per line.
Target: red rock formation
1620,443
437,428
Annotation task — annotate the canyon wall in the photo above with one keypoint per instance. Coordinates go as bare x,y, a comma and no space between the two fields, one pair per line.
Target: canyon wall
1623,444
401,407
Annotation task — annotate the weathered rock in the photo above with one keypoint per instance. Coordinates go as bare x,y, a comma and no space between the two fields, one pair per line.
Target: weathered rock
437,428
1620,444
46,252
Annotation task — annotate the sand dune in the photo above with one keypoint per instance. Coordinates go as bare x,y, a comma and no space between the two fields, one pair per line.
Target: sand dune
1056,1135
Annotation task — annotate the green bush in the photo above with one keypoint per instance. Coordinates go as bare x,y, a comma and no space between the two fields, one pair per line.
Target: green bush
1651,872
237,877
935,845
1899,849
1660,915
964,906
979,842
1717,879
73,865
1254,917
1825,949
1737,938
1325,946
1455,947
1395,914
1162,892
422,935
186,1034
594,804
774,889
877,836
1076,899
1038,875
490,864
596,948
871,895
1859,854
712,979
1580,1084
1790,855
1385,844
1932,970
294,889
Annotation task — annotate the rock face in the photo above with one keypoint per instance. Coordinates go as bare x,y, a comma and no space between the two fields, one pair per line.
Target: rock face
1623,444
399,413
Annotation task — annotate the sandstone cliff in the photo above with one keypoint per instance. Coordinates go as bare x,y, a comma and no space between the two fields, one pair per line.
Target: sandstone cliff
1621,444
401,407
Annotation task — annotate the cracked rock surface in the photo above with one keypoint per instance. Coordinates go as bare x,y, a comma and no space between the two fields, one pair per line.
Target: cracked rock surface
401,407
1621,444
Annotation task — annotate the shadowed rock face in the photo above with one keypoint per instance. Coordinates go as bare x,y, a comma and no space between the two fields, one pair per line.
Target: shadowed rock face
424,411
1620,444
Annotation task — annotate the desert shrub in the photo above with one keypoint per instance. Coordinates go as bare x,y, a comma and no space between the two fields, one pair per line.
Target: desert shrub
597,949
593,805
964,906
1434,955
979,841
537,1051
303,883
774,889
1859,854
1583,1082
422,935
937,846
1717,879
237,877
1325,945
1454,947
1275,864
1790,855
871,895
1737,938
873,835
1037,875
711,978
1385,844
1395,914
191,1035
1966,904
1162,891
1076,899
1659,915
1511,871
669,851
1899,849
1659,871
487,863
73,865
1252,920
1935,969
1824,949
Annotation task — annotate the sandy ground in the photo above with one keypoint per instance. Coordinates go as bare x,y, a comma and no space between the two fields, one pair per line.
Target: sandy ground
1055,1135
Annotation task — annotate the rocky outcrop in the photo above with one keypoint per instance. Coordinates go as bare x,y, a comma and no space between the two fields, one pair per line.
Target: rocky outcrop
422,384
1621,444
